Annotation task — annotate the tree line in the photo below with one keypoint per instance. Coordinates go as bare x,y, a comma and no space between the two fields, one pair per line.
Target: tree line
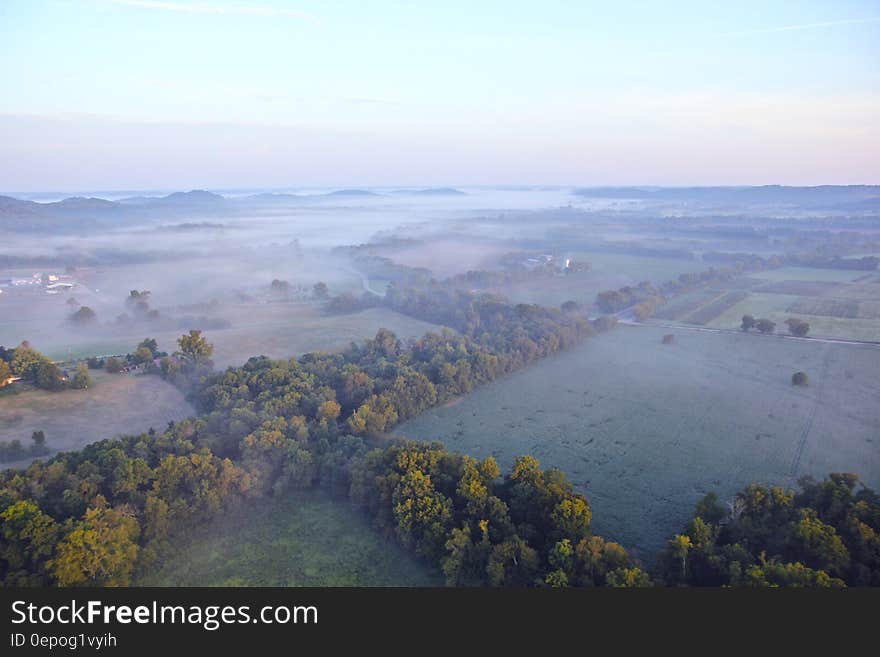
827,534
27,364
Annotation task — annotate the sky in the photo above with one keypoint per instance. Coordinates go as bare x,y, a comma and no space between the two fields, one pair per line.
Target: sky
172,94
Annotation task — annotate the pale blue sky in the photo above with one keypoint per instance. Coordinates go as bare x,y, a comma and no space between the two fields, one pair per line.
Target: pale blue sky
100,94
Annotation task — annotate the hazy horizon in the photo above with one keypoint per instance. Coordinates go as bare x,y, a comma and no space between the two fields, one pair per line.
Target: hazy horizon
125,94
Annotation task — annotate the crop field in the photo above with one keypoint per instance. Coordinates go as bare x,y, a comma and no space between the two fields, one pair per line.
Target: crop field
711,310
826,299
305,539
758,304
868,290
779,307
116,404
683,305
646,429
843,308
808,288
810,274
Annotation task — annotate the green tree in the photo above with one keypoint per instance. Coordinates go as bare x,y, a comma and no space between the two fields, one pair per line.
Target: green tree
748,322
5,372
113,365
679,546
27,361
329,411
797,326
38,438
194,351
81,377
49,377
143,355
628,578
423,515
817,544
513,563
151,344
28,543
100,550
169,368
84,316
556,579
765,326
571,518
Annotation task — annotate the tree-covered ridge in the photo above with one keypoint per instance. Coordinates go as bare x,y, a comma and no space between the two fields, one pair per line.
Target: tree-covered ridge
826,534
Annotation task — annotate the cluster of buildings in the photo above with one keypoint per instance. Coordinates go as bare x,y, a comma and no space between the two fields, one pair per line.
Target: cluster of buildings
48,283
566,265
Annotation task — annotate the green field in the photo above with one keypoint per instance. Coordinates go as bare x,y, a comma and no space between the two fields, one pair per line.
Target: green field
645,429
277,330
304,539
774,307
609,271
757,304
285,330
116,404
640,268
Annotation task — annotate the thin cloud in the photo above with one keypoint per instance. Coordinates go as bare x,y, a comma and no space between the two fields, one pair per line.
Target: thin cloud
801,26
228,10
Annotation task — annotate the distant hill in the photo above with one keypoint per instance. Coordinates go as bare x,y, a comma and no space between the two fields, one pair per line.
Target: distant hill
270,197
83,203
352,192
773,194
74,203
193,197
433,191
9,205
79,213
28,216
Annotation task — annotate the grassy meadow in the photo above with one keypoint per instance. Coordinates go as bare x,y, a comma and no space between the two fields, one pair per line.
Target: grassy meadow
303,539
646,429
115,404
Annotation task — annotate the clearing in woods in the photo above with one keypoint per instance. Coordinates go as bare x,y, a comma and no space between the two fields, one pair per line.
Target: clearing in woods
115,404
303,539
